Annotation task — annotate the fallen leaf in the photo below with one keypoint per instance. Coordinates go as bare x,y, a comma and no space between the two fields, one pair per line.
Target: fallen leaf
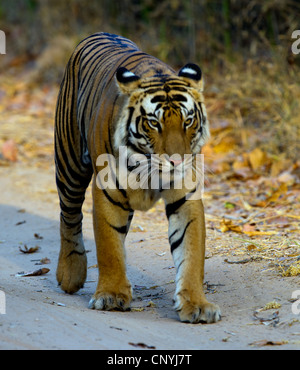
279,165
141,345
38,272
43,261
257,158
265,342
286,178
279,192
251,247
38,236
30,250
10,150
137,309
227,225
270,306
257,233
292,270
248,228
151,304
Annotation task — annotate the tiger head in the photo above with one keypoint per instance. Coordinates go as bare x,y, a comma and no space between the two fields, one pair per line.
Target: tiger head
164,115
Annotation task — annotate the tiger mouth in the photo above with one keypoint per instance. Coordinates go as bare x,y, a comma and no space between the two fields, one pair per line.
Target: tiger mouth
151,171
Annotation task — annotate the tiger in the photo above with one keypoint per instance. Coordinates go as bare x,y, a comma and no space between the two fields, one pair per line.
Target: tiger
114,95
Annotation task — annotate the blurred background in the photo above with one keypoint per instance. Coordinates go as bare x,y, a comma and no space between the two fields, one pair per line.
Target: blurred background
243,47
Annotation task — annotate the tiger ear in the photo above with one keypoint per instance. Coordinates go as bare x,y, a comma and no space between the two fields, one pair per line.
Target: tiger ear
127,80
193,73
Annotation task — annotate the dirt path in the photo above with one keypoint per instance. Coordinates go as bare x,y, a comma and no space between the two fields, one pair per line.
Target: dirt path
40,316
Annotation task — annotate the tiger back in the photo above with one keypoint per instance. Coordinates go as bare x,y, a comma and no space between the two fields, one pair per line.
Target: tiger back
128,115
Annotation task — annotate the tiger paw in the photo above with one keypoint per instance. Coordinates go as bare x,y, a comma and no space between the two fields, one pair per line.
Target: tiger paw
71,272
111,300
197,312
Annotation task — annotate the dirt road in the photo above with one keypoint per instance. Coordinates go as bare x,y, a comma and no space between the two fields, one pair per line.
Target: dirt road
40,316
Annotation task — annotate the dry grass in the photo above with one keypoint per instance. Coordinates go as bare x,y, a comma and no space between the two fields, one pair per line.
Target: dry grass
261,98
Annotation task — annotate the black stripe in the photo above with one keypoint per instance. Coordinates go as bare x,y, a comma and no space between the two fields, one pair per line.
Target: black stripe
171,208
179,97
177,243
134,147
70,225
76,252
115,203
159,98
173,233
121,229
131,110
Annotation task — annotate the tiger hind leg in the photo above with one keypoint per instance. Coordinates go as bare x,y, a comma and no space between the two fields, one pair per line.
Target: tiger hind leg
72,263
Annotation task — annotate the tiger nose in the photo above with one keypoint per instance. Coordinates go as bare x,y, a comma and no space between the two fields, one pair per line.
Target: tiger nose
175,162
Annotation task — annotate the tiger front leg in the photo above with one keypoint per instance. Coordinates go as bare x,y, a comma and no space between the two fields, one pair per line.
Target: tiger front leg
111,224
187,241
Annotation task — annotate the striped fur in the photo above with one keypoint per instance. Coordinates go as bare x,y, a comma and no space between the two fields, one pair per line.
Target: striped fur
114,95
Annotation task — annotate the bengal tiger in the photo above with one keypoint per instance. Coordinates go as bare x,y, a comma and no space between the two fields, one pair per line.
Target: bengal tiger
112,95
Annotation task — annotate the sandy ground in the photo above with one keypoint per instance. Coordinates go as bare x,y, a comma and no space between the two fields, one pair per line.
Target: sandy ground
40,316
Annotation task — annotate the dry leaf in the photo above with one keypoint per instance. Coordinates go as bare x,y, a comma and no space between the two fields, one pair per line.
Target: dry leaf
227,225
280,191
248,228
38,236
271,305
251,247
265,342
292,270
257,158
38,272
137,309
141,345
286,178
257,233
30,250
10,150
151,304
43,261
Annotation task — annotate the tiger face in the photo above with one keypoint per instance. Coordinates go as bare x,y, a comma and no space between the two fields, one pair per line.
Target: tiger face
165,115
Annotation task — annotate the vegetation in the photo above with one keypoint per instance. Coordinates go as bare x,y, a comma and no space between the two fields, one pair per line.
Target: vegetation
252,90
